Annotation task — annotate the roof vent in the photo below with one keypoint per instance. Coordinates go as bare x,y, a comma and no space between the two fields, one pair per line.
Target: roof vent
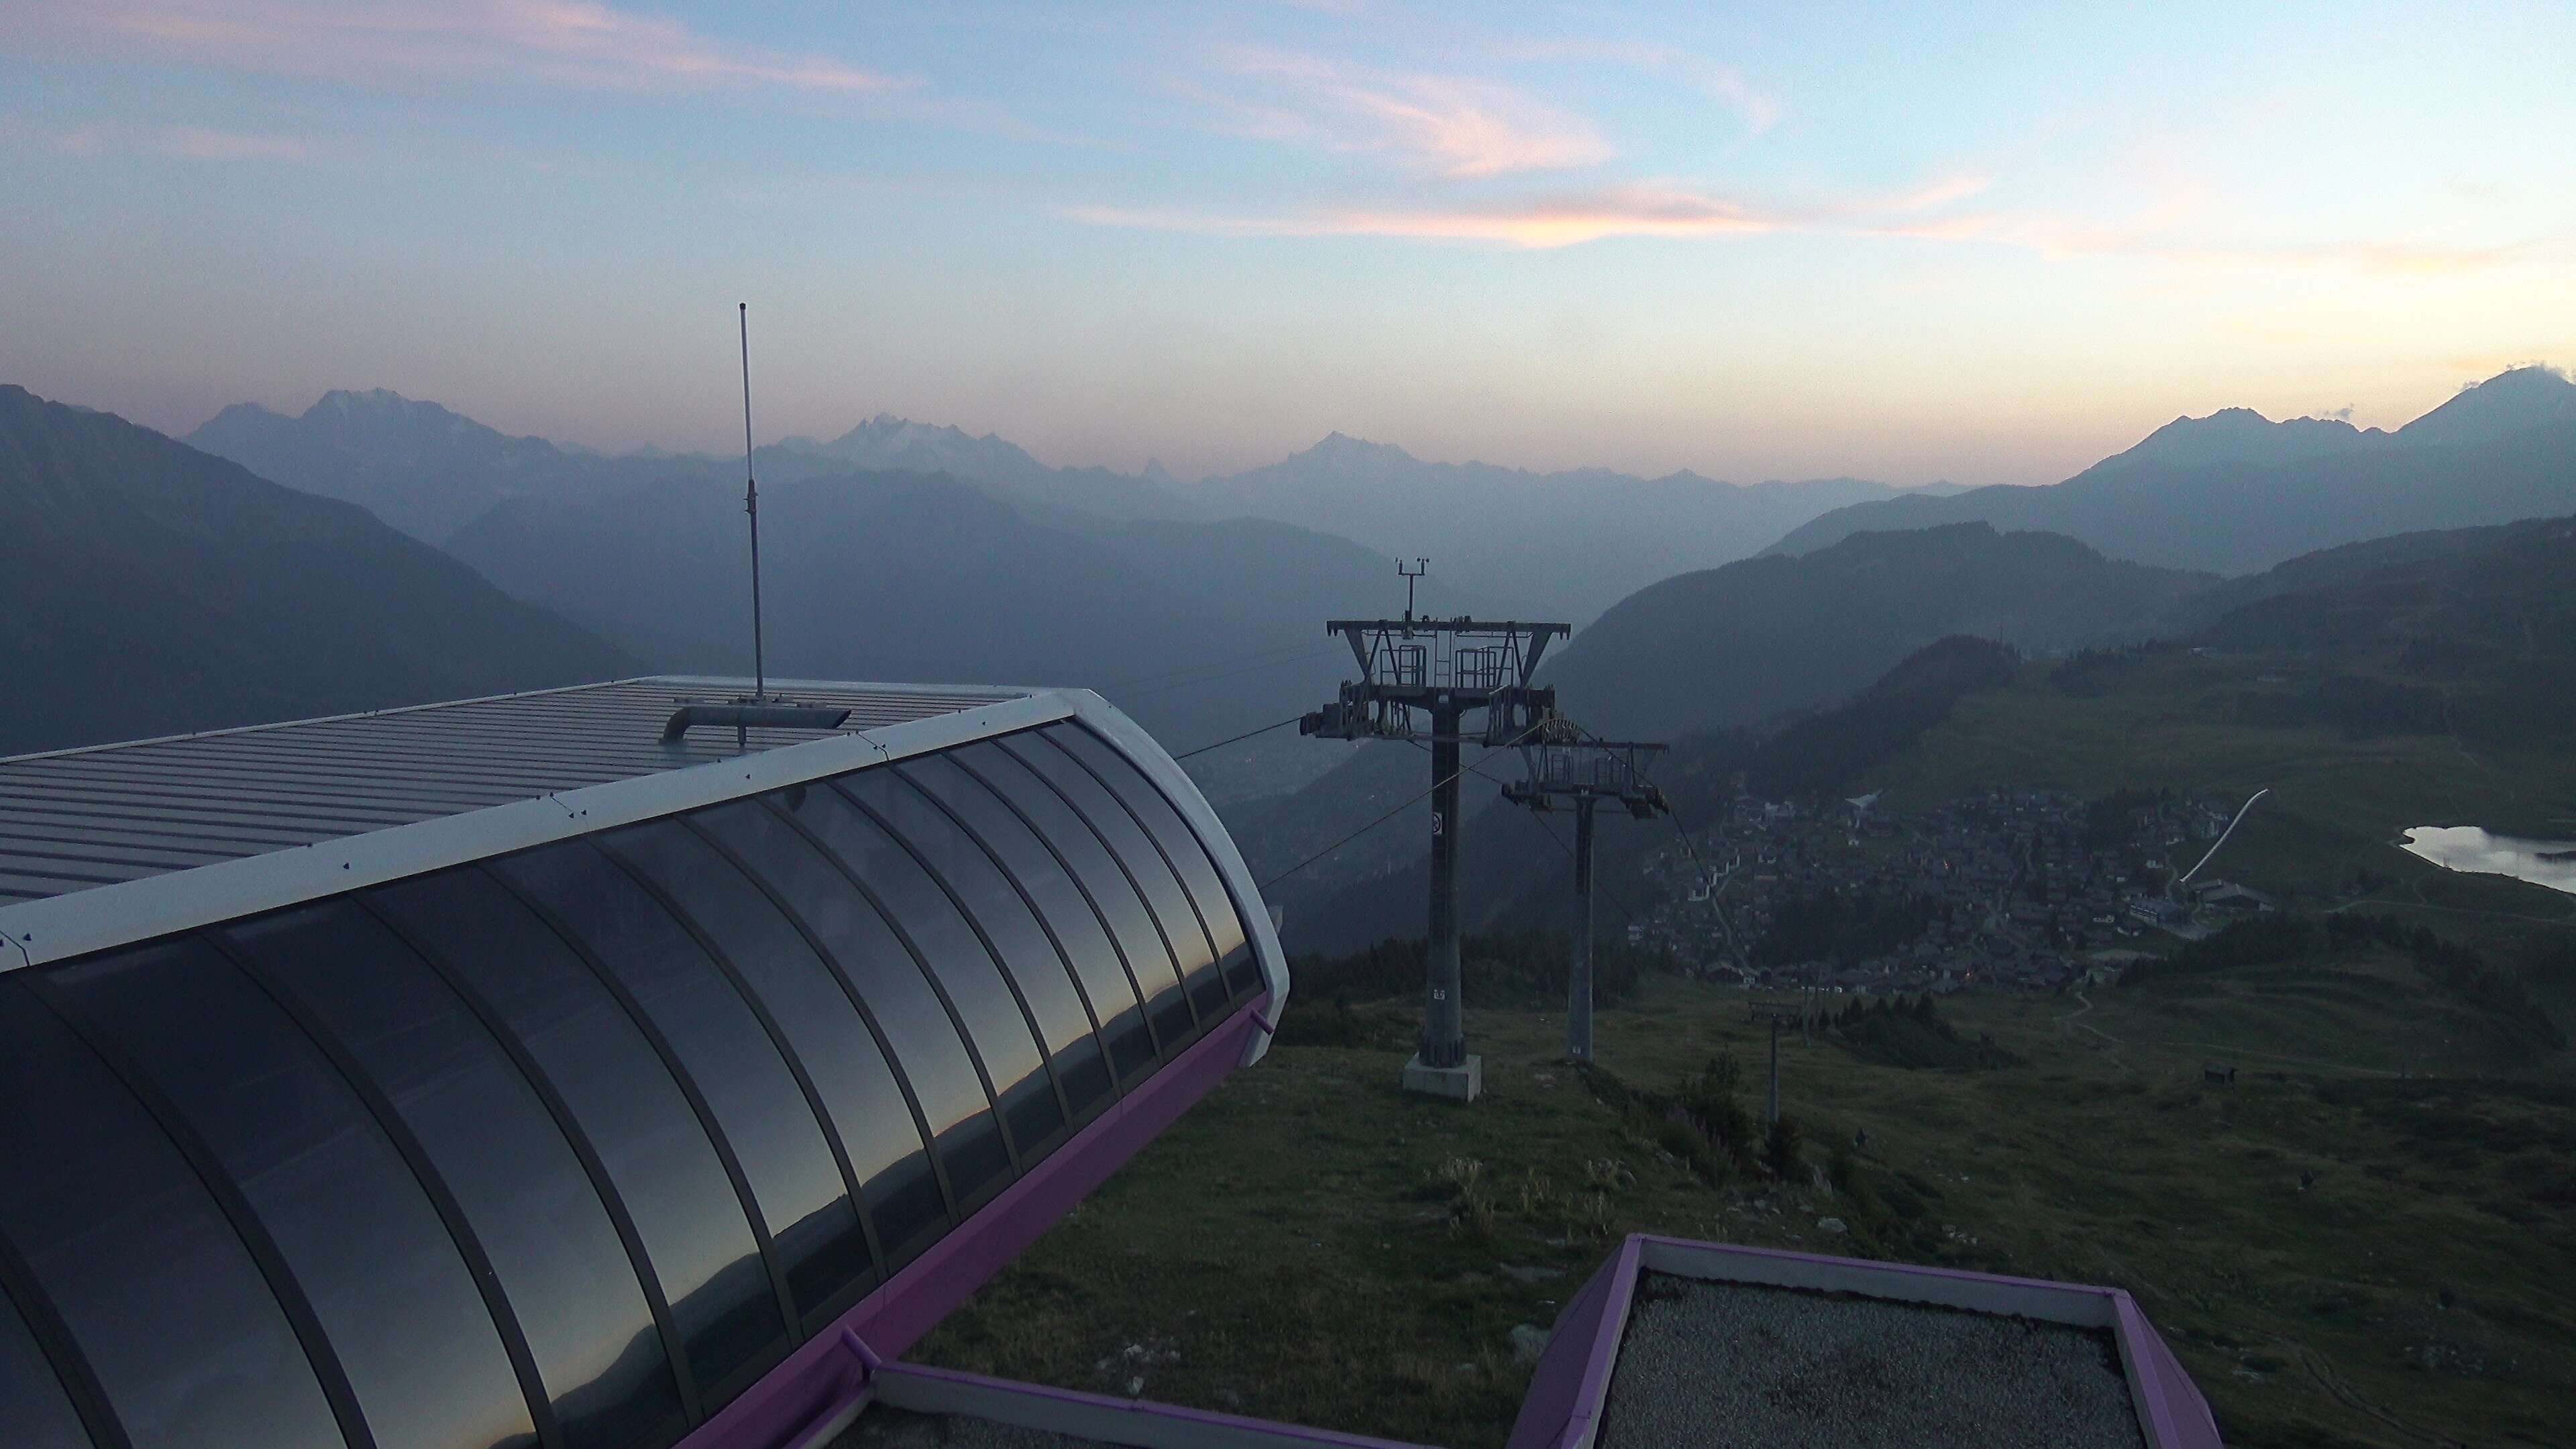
752,716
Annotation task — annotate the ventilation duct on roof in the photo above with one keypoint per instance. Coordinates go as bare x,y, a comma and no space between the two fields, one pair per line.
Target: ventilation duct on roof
752,716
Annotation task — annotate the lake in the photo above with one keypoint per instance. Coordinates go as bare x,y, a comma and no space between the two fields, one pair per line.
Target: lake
2551,863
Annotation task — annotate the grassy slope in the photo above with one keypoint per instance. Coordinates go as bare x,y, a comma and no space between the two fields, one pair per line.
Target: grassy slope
1299,1246
1293,1249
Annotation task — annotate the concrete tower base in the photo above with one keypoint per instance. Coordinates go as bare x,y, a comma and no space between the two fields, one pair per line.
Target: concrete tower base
1458,1084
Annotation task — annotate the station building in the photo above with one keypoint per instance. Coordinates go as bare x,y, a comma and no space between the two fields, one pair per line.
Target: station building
611,1066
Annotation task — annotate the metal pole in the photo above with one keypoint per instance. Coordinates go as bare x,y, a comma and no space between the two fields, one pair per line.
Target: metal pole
1771,1110
1444,1032
1578,995
751,505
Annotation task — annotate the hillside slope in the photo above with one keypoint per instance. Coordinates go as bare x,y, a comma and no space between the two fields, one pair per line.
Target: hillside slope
1733,645
153,589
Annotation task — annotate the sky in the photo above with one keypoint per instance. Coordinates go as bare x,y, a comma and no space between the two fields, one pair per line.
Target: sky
1983,243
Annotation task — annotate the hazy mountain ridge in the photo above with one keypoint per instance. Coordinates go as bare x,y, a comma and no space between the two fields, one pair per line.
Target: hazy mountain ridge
1200,629
418,466
2234,493
1576,540
155,589
1565,544
1736,644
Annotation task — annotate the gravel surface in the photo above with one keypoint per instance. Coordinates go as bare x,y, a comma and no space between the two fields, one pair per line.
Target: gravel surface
1722,1365
883,1427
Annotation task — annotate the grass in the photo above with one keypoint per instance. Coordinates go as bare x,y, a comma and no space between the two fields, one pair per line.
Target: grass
1310,1244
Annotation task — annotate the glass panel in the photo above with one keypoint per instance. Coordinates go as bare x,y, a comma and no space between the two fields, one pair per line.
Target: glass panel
954,956
33,1406
924,1037
1188,857
652,1145
551,1243
1027,956
841,1057
723,1047
1131,921
1135,849
185,1337
383,1275
1059,900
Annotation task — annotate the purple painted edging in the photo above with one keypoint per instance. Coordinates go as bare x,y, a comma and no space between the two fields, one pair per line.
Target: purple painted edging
1556,1385
825,1376
2174,1402
1593,1387
1143,1408
1562,1409
1876,1265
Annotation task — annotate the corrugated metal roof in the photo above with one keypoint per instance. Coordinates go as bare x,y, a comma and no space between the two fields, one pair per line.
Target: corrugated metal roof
74,819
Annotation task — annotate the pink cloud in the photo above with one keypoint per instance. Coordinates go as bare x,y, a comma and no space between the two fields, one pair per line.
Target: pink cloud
1718,81
569,42
1546,222
1454,126
193,143
1671,211
204,145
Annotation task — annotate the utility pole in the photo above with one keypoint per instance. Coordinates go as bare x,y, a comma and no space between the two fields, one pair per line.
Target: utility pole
1442,670
751,506
1778,1017
1564,767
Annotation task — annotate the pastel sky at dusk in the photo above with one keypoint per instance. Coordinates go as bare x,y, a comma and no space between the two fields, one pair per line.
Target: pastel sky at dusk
1986,243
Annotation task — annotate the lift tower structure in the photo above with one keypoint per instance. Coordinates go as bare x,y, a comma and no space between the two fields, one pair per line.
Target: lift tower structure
1564,768
1414,671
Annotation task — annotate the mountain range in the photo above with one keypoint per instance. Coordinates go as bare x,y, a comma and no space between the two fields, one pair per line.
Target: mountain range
1565,545
1571,542
152,589
2235,493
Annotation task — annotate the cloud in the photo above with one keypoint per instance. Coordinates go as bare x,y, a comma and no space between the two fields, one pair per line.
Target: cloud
1459,127
1716,80
1545,222
1675,211
193,143
563,42
204,145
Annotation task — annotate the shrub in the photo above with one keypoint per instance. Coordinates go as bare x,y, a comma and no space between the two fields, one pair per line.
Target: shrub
1781,1148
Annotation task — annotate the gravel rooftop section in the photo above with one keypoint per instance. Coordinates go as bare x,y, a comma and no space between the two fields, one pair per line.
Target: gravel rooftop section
885,1427
1728,1366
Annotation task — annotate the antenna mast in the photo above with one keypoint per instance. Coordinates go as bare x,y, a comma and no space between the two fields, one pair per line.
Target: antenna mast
1410,574
751,505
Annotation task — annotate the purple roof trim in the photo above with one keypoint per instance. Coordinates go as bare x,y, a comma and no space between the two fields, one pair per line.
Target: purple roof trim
1259,1429
1573,1377
2180,1416
827,1375
1556,1386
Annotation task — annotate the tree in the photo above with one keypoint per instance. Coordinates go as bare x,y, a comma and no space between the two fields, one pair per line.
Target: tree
1780,1148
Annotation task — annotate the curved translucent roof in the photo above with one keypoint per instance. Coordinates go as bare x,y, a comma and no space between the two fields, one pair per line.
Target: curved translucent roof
569,1144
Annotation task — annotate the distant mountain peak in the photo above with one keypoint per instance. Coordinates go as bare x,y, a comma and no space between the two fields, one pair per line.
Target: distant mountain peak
2513,401
345,401
2238,435
1342,450
1155,472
